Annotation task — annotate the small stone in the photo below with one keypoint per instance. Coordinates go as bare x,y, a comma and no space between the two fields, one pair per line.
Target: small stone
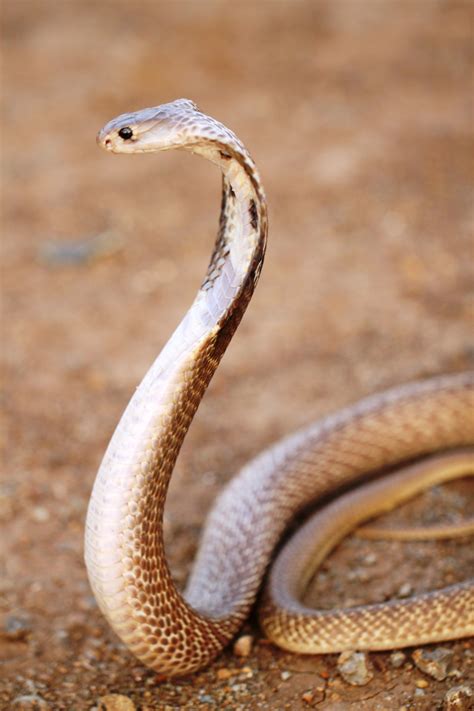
370,559
419,692
239,688
115,702
397,659
30,702
81,251
359,574
15,629
285,675
307,697
434,662
40,514
354,668
206,699
405,590
224,673
421,683
243,645
458,698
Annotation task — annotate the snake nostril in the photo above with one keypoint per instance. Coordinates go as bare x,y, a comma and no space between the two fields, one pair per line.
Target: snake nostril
108,142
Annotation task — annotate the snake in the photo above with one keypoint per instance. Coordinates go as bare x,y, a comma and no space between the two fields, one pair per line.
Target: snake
416,435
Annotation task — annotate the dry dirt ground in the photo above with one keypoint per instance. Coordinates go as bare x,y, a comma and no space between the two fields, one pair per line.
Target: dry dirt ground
359,115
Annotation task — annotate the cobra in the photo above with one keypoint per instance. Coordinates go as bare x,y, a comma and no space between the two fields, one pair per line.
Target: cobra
178,633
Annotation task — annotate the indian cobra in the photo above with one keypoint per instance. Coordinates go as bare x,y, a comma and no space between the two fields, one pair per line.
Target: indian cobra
178,633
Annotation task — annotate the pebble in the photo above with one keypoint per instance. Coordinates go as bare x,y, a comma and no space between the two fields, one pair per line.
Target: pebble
354,668
434,662
15,628
40,514
224,673
115,702
206,699
405,590
80,251
421,683
307,697
285,675
397,659
239,688
30,702
359,574
370,559
243,645
459,698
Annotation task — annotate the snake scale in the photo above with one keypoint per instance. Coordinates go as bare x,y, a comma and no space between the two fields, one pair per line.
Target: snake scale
178,633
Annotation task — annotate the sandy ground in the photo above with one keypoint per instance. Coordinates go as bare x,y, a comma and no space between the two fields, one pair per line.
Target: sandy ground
359,115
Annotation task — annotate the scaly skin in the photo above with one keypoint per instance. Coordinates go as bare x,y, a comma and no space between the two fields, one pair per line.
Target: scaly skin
177,634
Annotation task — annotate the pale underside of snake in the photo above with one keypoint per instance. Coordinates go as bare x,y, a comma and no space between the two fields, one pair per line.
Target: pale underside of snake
178,633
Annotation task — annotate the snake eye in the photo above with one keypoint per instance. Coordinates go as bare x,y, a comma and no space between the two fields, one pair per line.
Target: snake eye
126,133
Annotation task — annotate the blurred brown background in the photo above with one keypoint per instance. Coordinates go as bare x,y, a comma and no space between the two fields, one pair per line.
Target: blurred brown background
359,116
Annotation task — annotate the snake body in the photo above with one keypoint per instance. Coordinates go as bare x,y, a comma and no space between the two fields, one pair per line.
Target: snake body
178,633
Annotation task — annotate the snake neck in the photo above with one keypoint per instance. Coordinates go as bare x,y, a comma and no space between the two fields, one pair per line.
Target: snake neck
124,544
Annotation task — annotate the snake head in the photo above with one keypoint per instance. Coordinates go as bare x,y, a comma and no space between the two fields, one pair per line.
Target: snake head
158,128
178,124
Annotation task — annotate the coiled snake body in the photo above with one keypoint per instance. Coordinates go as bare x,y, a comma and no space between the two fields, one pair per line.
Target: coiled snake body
174,633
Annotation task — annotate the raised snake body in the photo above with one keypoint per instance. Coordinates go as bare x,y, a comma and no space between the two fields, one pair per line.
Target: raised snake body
176,634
